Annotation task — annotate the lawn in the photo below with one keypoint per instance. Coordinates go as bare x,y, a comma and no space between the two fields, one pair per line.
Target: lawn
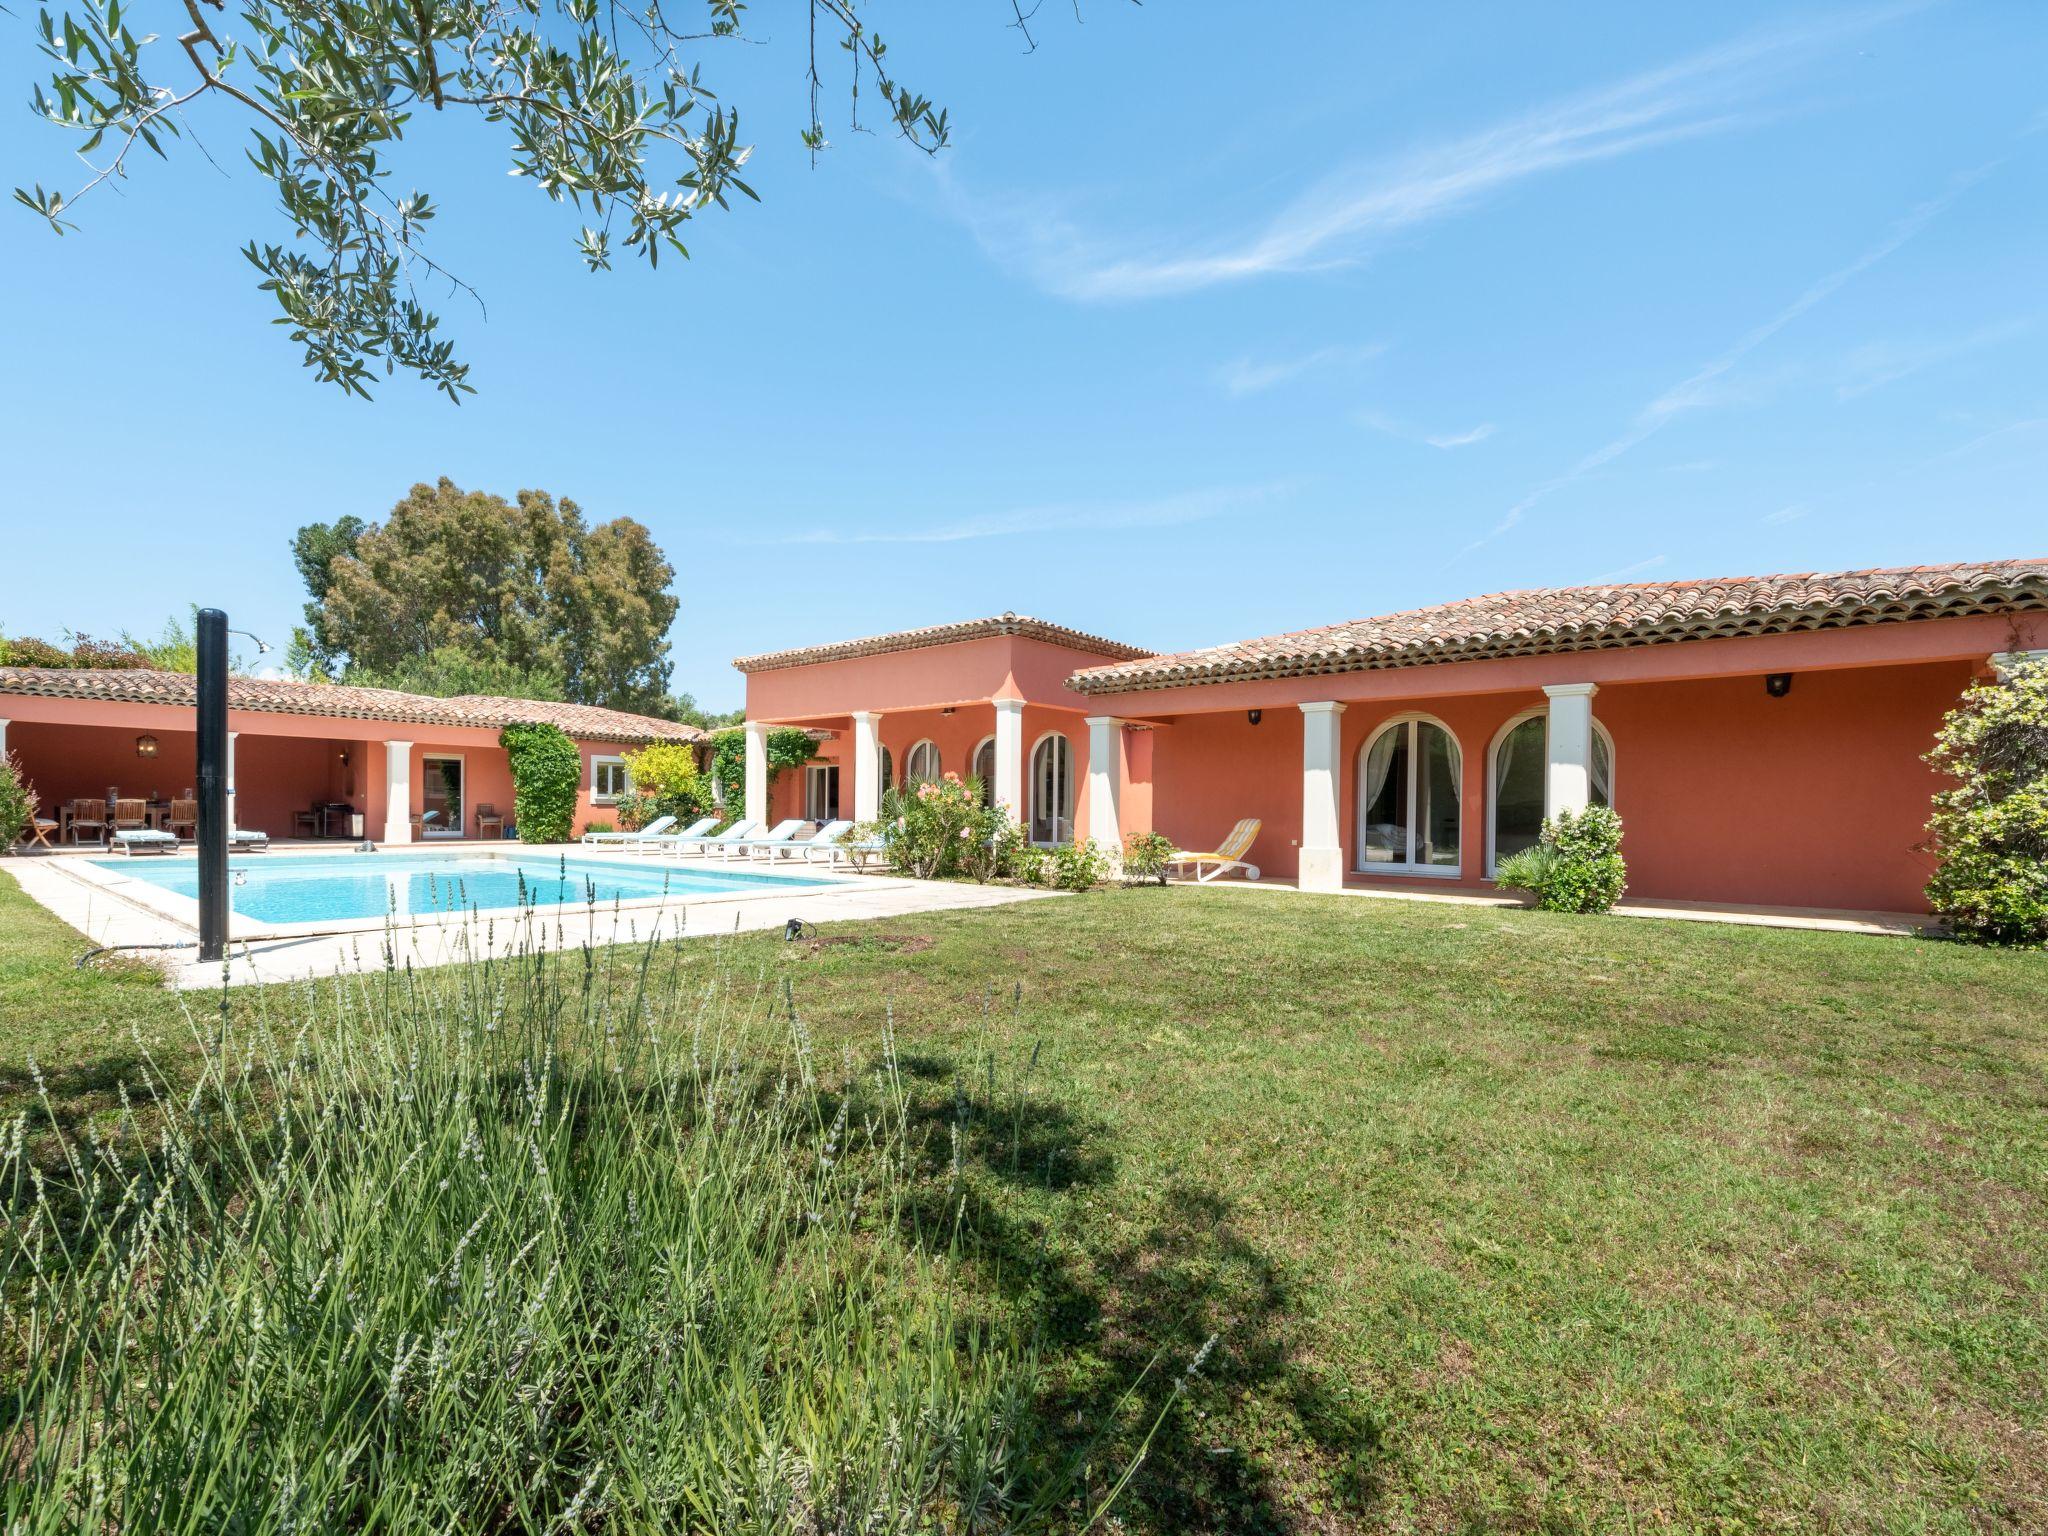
1503,1221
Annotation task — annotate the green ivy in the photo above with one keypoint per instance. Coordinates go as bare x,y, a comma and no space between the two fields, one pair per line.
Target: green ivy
788,747
546,770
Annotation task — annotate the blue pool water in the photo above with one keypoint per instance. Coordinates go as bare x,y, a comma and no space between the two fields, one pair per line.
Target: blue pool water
278,888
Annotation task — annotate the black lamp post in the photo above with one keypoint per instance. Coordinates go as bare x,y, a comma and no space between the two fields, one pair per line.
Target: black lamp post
211,833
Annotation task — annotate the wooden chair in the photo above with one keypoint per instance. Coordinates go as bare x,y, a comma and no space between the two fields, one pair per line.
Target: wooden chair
184,813
89,813
38,827
487,817
131,815
305,823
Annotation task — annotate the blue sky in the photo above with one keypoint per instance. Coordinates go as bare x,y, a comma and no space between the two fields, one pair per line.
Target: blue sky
1205,328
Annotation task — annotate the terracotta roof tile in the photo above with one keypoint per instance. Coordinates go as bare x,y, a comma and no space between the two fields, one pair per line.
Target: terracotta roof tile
1561,619
285,696
941,634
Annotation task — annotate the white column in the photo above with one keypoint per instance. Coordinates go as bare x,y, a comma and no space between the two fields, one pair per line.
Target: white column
3,738
1322,844
397,791
1009,785
231,782
1568,773
867,765
1105,774
2003,664
757,770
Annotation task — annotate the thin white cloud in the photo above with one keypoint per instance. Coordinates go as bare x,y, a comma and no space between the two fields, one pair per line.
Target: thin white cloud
1244,376
1641,567
1380,421
1707,385
1878,363
1786,514
1463,439
1162,512
1343,217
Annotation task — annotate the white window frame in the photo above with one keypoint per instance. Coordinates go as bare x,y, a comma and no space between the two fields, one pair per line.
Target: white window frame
1493,767
910,773
607,760
814,779
1409,723
1073,790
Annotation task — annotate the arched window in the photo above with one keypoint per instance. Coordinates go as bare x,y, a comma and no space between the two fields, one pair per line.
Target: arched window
1052,790
921,763
984,768
1410,782
1521,755
888,772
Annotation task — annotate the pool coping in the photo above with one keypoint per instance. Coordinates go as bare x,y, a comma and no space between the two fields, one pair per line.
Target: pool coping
183,911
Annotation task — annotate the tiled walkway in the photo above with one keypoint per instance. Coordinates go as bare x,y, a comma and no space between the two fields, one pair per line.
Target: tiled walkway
105,918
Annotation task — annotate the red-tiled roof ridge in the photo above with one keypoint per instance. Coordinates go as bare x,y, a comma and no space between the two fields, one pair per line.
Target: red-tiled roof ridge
1549,620
346,701
940,634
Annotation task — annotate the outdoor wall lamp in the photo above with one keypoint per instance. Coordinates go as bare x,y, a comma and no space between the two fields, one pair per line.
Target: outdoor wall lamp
1255,715
145,746
1778,684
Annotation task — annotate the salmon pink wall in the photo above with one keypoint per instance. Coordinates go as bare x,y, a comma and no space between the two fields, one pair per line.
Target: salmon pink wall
968,672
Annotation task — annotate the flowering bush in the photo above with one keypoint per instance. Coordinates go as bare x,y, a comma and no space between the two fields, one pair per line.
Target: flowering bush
1577,867
1146,855
1990,828
665,782
939,827
1080,865
17,805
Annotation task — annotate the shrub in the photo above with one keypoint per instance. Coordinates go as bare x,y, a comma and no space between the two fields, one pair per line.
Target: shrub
28,651
939,828
666,782
1146,855
546,772
17,804
1015,856
1577,867
600,824
1080,865
450,1256
88,652
1990,827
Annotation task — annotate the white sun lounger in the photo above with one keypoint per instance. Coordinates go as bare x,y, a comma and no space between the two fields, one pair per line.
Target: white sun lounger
834,852
826,837
144,841
655,828
248,840
775,837
703,843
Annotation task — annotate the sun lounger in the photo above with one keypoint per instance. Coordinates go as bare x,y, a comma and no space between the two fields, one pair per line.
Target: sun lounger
1228,854
825,838
248,840
775,837
837,851
655,828
143,840
703,843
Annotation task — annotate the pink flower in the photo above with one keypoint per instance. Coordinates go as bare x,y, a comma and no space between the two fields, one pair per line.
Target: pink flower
952,777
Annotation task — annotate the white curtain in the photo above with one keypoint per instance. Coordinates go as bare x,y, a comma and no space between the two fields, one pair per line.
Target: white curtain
1379,762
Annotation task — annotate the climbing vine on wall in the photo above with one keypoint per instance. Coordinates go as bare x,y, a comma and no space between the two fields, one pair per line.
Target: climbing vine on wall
546,770
788,747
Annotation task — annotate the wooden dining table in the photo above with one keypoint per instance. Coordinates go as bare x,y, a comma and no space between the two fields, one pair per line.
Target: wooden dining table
156,815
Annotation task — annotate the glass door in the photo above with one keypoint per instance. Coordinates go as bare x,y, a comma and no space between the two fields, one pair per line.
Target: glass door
1052,791
441,797
821,792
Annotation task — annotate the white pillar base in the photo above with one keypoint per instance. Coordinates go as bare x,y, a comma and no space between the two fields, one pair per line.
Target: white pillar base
1321,865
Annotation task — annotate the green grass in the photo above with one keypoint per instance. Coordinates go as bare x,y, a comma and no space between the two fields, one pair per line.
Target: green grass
1506,1221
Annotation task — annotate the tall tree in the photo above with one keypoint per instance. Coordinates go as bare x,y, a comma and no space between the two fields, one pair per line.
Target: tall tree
604,104
525,585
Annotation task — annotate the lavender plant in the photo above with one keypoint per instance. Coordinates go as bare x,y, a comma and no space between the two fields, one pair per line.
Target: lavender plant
554,1242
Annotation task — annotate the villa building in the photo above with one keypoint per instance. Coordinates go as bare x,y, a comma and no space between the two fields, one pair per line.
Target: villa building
1761,737
304,759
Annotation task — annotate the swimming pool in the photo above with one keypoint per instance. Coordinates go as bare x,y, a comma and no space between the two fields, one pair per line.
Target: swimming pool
325,888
